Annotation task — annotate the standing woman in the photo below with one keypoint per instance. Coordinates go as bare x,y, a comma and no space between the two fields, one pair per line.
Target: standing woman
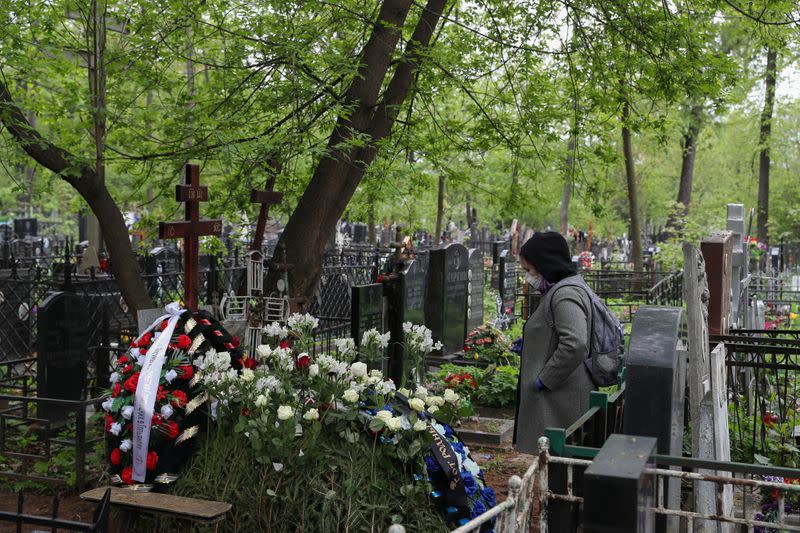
554,383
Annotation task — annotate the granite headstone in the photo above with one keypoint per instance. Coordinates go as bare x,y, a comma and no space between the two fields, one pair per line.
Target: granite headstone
446,295
475,286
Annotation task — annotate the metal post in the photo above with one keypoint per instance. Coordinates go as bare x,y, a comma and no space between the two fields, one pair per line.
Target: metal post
80,446
544,448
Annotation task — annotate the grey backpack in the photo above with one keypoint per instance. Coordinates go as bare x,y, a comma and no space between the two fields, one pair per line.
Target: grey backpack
606,342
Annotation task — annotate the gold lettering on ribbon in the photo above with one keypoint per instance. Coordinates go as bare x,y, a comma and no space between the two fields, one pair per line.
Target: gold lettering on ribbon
452,463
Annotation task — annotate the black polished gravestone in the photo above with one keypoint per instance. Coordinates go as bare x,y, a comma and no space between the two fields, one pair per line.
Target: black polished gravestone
446,296
413,292
475,286
508,273
498,247
366,310
405,302
655,387
618,493
26,227
63,339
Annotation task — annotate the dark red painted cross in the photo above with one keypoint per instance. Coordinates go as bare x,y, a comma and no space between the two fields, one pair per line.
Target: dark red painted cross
190,229
266,198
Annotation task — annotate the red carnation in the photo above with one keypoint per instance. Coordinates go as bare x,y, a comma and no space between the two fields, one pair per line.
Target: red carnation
142,351
303,360
249,362
284,344
380,278
117,389
132,382
161,393
109,421
171,429
236,342
466,348
187,371
115,456
122,359
127,369
129,427
146,340
184,342
152,460
164,325
127,475
157,420
178,398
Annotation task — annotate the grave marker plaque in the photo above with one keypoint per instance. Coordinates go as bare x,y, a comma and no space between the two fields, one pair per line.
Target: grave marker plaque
413,289
474,317
366,310
446,295
63,339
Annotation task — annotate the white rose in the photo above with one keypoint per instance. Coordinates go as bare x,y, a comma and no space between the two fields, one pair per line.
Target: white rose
432,409
170,375
285,412
277,466
125,445
421,393
450,396
127,412
311,414
350,396
420,425
394,423
166,411
358,369
247,374
384,415
261,400
404,391
375,373
416,404
435,400
107,404
116,427
114,377
313,370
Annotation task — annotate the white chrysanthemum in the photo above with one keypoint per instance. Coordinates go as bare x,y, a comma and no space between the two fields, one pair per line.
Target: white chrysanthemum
285,412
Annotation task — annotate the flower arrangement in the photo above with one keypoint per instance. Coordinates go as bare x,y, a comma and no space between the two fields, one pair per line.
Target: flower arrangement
418,342
494,386
757,249
175,416
586,260
488,345
769,502
288,398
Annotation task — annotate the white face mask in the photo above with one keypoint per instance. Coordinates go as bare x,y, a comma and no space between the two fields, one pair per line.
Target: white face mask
534,281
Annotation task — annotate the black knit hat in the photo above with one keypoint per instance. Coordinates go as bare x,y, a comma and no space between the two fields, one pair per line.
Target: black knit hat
549,253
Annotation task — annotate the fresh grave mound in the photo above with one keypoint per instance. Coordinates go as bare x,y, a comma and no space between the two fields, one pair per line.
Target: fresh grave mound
300,439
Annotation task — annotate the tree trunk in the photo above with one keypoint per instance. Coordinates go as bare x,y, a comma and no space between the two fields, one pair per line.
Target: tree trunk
96,46
688,153
568,179
633,188
84,180
440,209
341,169
764,140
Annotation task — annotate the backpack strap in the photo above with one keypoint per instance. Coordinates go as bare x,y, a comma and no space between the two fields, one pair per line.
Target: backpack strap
590,311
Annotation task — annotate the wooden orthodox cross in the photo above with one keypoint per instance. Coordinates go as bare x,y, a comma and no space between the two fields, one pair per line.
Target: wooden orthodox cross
190,229
266,198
